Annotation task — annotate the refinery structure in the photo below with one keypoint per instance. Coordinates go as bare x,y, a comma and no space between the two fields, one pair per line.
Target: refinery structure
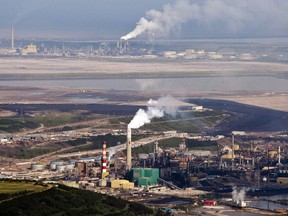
124,48
242,160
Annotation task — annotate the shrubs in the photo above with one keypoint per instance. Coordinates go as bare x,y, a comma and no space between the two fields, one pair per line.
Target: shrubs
70,201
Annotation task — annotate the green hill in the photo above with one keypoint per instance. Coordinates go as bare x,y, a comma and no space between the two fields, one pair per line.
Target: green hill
63,200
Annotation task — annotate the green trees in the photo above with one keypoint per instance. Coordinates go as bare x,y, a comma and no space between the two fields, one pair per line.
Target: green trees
63,200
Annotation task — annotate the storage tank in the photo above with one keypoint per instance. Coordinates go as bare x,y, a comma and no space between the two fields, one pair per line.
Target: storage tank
65,167
61,167
54,164
37,167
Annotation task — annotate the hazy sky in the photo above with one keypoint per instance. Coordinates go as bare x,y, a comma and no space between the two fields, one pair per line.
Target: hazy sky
163,18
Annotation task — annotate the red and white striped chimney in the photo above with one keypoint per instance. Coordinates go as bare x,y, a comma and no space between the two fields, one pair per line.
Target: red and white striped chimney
104,158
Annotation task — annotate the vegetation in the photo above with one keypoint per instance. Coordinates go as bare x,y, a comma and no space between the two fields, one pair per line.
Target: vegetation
49,118
76,142
63,200
121,120
55,118
12,188
186,121
14,125
27,153
201,145
164,144
97,141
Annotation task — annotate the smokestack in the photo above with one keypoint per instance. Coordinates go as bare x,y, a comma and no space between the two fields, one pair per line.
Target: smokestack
12,38
129,149
232,150
104,158
279,155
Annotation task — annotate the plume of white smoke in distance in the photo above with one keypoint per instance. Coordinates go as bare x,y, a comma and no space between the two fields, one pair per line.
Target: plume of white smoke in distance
155,109
112,151
231,14
238,196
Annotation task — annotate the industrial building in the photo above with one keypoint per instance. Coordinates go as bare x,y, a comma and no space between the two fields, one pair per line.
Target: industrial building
121,184
29,49
145,176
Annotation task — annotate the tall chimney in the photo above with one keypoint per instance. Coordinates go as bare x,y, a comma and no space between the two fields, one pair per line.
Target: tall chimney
12,38
129,149
279,155
104,158
232,151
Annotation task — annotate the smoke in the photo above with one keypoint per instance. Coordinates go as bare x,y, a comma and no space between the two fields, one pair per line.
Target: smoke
144,117
112,151
227,14
238,196
155,109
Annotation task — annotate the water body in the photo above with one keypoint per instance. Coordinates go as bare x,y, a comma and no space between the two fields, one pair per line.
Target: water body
210,83
265,202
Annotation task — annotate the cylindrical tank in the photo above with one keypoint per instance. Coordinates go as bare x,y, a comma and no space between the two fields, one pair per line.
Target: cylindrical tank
60,167
53,164
37,167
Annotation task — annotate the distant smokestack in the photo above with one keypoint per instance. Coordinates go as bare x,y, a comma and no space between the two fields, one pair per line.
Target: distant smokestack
155,109
129,149
12,38
233,151
104,158
279,155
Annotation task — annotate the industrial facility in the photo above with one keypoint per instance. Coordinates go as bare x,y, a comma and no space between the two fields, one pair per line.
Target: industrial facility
150,164
122,49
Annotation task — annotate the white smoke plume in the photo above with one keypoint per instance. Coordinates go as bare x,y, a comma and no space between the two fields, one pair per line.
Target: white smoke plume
112,151
238,195
155,109
231,14
144,117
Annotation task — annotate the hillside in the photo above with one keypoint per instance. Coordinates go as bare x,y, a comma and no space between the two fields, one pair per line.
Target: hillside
64,200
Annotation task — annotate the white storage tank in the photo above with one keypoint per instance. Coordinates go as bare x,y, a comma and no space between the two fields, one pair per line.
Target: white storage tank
37,167
64,167
54,164
61,167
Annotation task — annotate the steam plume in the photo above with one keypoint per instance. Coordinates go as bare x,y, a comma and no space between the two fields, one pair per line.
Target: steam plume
232,15
238,196
156,109
144,117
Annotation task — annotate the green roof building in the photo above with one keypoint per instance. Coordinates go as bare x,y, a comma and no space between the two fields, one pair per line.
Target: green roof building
145,176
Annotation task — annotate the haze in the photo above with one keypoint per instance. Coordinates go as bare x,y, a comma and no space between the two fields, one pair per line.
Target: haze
97,19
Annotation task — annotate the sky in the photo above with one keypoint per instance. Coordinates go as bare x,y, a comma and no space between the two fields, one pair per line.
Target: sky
97,19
